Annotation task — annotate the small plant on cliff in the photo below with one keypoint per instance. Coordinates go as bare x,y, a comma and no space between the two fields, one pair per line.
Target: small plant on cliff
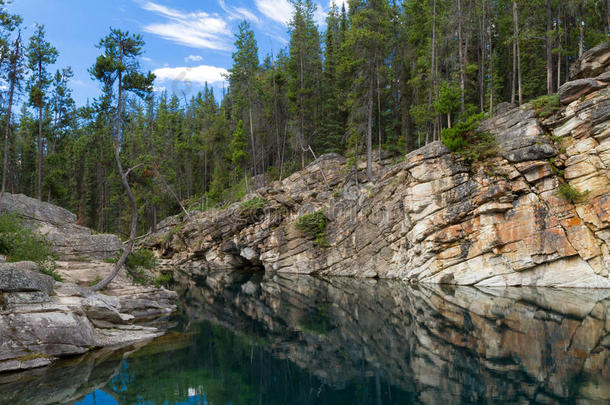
571,194
252,205
545,106
138,262
141,258
20,243
163,280
314,225
466,141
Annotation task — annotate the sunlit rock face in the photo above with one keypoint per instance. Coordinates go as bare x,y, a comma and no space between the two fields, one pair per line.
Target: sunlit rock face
444,344
430,218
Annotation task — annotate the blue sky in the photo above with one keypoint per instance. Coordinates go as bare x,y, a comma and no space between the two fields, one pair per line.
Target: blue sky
188,42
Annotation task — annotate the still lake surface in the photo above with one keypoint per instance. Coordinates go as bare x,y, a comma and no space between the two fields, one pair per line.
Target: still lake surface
250,338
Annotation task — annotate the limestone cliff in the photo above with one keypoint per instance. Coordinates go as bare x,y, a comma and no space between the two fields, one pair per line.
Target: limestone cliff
431,218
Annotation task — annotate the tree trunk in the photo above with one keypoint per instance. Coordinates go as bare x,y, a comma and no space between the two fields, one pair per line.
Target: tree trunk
481,54
13,79
132,201
39,175
491,65
276,115
558,34
433,67
369,128
404,113
251,130
303,142
607,25
513,83
461,57
378,111
549,49
518,51
581,32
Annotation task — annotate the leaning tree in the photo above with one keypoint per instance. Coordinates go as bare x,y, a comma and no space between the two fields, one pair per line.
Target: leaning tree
118,69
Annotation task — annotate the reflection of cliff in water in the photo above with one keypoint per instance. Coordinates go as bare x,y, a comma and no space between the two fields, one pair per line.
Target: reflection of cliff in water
282,339
441,343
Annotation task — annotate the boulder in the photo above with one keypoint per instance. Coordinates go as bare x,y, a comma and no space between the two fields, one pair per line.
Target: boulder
576,89
592,63
24,277
67,239
31,208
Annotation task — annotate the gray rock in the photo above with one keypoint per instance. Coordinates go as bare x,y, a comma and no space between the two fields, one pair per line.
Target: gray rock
67,239
71,245
33,209
576,89
540,151
24,277
592,63
18,298
105,308
48,329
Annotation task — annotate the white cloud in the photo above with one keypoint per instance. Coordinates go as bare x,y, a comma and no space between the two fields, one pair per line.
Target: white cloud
319,16
238,13
146,59
193,58
278,10
198,74
339,3
194,29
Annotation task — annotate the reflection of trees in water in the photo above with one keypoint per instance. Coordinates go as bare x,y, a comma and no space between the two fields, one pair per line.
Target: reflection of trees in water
225,367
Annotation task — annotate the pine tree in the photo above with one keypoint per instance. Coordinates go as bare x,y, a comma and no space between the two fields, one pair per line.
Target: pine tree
118,65
366,50
14,76
41,54
243,80
304,70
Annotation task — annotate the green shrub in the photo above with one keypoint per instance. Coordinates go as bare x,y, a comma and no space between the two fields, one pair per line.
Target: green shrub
545,106
466,141
254,204
141,258
571,194
20,243
163,280
314,225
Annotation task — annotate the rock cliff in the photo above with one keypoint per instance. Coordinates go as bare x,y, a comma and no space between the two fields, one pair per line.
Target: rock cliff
431,218
42,320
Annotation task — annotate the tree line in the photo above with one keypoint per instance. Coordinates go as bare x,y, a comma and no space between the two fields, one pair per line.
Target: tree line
383,75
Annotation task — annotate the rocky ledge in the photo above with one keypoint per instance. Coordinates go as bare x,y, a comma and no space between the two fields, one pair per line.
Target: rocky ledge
42,320
431,218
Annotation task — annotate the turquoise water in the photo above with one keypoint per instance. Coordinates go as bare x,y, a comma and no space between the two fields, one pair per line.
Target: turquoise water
249,338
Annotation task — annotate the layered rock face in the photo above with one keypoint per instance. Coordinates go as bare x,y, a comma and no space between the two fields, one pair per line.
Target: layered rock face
444,344
59,226
433,219
42,320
